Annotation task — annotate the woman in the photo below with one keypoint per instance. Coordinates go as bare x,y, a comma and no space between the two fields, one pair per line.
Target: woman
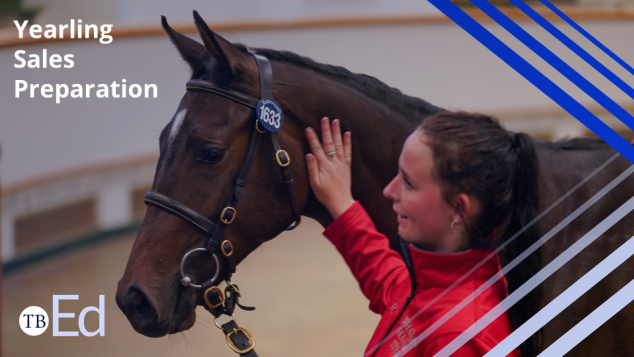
460,176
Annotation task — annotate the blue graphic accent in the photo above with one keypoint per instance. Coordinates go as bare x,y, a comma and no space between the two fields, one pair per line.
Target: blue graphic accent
556,62
574,47
588,36
535,77
270,115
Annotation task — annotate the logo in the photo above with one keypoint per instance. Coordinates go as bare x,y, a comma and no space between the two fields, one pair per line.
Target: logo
392,308
34,320
269,114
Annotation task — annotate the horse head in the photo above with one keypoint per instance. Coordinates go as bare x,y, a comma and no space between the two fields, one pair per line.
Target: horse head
201,152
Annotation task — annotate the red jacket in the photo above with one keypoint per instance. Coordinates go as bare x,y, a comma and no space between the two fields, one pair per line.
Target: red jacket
385,280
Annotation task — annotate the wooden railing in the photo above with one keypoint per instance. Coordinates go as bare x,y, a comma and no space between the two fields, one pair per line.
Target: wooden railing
52,209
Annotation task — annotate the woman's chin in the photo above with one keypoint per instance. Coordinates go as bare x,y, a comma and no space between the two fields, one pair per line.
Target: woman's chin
404,233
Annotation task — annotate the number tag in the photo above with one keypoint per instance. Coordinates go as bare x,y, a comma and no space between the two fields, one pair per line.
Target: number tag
269,114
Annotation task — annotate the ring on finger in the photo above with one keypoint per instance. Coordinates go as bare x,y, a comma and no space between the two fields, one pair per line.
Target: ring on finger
332,153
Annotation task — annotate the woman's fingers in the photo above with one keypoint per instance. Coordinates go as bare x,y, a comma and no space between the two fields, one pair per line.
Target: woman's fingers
336,134
347,147
313,168
314,144
332,142
326,136
329,175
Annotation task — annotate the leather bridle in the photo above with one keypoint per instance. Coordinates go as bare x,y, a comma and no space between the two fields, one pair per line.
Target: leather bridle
218,303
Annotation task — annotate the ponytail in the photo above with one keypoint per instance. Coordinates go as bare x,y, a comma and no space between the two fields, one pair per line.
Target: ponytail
524,209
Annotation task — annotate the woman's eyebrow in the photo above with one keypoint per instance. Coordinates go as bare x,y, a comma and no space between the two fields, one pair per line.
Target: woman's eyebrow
407,178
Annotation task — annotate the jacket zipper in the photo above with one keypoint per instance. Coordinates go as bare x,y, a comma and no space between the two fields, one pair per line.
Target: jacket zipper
398,318
402,250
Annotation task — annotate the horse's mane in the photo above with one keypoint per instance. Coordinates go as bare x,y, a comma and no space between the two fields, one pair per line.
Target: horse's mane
411,107
368,85
574,144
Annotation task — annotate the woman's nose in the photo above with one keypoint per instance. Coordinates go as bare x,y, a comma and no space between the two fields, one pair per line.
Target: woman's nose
389,191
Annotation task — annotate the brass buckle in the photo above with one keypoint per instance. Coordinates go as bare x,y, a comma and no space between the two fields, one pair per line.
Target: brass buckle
222,248
222,297
257,127
234,347
279,160
222,215
233,289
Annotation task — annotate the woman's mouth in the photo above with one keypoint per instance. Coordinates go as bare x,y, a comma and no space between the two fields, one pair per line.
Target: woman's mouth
401,218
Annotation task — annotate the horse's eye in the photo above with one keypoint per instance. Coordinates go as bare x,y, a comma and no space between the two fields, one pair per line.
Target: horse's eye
209,155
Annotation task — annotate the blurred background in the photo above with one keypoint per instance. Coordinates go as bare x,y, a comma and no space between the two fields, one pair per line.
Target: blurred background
73,174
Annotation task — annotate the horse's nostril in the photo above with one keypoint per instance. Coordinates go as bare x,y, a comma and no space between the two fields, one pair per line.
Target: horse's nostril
147,314
139,300
140,309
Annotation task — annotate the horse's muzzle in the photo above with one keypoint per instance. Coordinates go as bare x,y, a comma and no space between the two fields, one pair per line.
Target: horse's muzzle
140,311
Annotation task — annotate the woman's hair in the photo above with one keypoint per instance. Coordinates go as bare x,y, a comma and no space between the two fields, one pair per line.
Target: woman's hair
475,155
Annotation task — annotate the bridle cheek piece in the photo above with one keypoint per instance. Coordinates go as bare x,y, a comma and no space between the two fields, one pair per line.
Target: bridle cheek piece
218,303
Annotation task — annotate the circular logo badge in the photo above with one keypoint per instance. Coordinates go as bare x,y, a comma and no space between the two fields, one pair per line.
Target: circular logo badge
269,114
33,320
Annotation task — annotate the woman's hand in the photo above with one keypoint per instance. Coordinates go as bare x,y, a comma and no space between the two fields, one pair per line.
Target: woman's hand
329,175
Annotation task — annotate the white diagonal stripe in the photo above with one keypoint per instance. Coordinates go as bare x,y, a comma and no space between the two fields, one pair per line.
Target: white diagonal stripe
564,300
537,279
508,241
597,318
517,260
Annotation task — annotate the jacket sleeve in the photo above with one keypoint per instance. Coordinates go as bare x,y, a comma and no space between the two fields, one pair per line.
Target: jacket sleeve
380,271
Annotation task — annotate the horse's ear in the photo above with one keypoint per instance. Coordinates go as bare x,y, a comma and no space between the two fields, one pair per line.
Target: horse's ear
192,52
227,54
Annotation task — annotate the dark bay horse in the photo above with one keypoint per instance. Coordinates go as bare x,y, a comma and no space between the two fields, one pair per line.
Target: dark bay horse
201,150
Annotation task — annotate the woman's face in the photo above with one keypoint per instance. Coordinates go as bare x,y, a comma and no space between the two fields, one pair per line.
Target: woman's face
424,217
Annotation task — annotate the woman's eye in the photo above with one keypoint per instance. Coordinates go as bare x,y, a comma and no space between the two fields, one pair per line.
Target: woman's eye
209,155
407,184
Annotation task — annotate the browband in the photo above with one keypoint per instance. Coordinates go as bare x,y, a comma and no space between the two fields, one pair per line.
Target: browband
244,99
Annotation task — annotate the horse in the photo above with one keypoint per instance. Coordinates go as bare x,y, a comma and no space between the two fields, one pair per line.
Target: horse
202,150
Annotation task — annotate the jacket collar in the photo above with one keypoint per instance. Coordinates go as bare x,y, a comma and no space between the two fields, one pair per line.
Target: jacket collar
429,269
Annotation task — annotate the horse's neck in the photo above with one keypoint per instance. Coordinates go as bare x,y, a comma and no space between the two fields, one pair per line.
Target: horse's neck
378,134
563,168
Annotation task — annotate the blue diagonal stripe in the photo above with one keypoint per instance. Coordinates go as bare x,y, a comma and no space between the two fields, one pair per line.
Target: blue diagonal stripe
535,77
574,47
588,36
556,62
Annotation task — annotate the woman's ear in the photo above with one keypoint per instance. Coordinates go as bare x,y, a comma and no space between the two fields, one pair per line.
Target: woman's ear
464,208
